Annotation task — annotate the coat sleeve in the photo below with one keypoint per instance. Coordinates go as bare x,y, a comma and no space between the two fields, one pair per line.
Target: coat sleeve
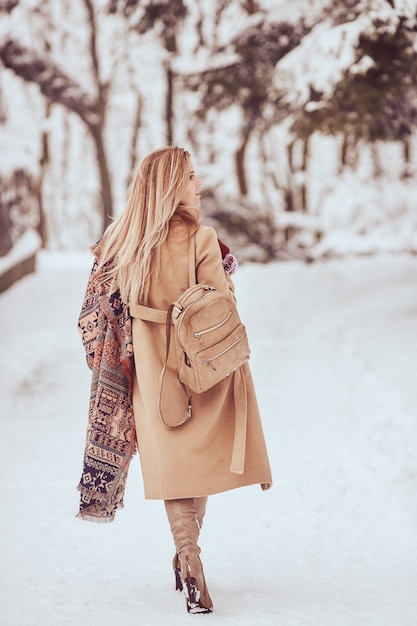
209,267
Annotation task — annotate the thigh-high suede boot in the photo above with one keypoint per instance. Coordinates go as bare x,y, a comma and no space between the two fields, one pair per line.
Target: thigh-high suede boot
200,504
185,517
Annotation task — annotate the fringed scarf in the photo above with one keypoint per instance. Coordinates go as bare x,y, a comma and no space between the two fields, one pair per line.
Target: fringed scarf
105,326
106,330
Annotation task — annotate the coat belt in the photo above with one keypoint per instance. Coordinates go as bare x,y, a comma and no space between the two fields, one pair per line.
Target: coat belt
241,416
148,314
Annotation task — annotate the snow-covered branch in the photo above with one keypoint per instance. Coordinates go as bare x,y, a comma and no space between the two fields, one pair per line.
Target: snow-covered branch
52,81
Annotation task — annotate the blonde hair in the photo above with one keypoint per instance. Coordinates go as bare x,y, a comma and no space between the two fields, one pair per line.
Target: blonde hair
129,246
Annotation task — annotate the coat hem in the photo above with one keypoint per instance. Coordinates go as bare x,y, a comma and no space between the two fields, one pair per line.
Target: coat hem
264,485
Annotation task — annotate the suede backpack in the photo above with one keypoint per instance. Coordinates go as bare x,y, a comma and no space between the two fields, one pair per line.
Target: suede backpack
210,340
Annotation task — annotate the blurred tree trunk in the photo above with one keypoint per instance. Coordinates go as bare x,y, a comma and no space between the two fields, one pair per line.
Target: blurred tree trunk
6,242
59,88
137,122
304,167
240,160
289,191
343,152
97,129
44,161
169,15
406,145
169,102
296,191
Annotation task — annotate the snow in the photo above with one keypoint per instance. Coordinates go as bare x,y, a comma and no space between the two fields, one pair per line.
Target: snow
136,70
284,11
329,51
16,153
377,218
23,248
333,543
320,60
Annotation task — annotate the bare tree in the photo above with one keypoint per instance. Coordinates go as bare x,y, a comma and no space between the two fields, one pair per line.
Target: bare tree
59,88
169,15
247,82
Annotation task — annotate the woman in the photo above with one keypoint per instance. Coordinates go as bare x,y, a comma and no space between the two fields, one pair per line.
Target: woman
146,252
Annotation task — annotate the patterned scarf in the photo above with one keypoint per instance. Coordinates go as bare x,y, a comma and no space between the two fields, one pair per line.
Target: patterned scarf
106,330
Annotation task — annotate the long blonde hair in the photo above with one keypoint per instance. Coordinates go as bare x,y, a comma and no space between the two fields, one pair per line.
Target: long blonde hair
129,245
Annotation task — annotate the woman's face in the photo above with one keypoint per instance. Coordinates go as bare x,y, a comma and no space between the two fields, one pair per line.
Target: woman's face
191,195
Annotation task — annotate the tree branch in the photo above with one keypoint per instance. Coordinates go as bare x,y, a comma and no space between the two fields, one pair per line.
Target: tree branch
93,46
7,6
52,81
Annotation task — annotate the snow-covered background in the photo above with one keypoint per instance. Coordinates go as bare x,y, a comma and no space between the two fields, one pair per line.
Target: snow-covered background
333,543
334,346
250,82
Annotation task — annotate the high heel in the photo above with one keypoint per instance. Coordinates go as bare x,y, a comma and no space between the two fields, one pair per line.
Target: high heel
177,572
196,599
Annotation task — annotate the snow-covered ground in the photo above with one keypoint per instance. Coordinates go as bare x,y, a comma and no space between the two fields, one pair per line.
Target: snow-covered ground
334,543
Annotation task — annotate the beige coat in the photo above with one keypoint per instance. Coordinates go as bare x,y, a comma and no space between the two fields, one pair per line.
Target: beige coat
194,459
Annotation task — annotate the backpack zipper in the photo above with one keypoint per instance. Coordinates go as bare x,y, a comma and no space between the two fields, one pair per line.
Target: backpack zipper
208,330
213,358
185,309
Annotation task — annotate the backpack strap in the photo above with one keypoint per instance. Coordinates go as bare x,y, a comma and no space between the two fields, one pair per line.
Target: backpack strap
192,273
192,280
164,317
168,326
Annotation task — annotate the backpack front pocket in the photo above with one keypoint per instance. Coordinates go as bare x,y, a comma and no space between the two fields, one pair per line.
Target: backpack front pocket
199,333
225,356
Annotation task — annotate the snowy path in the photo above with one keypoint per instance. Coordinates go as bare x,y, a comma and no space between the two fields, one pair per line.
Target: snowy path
334,543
